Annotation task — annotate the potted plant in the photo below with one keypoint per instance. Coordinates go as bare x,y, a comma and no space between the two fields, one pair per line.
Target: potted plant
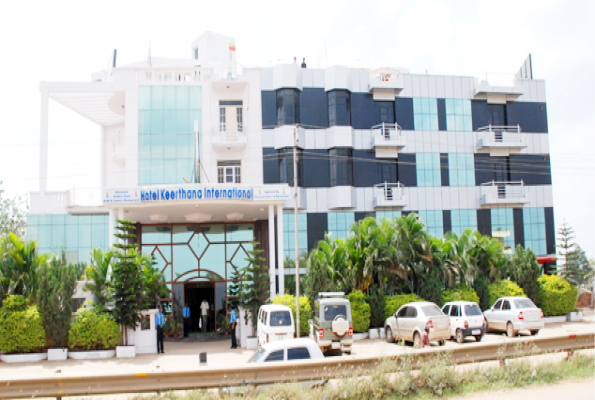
93,335
225,325
177,328
168,327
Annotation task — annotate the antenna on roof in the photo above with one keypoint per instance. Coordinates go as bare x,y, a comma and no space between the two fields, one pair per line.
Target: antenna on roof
149,64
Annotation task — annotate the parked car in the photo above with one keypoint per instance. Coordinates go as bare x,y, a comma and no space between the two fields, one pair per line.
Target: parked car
410,321
466,319
512,314
275,322
331,326
287,350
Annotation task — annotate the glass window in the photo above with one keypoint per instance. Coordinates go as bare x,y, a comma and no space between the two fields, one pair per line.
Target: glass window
425,114
431,311
503,226
389,214
275,356
428,169
289,234
402,312
196,53
534,227
339,223
257,356
341,165
288,107
339,107
229,172
286,166
299,353
446,309
411,312
463,219
434,222
331,311
280,318
472,310
461,169
497,305
454,311
506,305
458,115
524,303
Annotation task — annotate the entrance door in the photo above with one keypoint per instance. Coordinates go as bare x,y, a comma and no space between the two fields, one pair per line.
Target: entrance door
194,294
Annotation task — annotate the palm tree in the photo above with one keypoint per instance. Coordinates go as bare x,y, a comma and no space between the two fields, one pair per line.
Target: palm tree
99,279
19,263
365,247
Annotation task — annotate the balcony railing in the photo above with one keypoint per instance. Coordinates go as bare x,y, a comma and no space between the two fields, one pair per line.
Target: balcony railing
81,197
495,138
386,78
229,136
387,139
496,193
389,195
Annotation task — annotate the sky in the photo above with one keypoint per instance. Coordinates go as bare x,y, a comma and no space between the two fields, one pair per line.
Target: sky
69,40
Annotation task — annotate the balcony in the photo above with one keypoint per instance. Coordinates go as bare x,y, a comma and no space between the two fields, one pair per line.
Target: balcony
229,136
389,195
497,88
503,193
500,140
385,83
387,139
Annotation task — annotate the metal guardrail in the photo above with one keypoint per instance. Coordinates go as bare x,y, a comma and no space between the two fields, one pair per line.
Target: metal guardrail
261,374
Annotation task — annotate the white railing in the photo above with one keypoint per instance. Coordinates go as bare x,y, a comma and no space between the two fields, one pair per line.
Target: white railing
384,75
223,127
221,134
495,79
495,192
389,193
388,132
84,197
228,71
510,133
169,75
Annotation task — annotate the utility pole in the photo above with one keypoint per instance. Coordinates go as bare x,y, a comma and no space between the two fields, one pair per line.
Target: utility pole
297,253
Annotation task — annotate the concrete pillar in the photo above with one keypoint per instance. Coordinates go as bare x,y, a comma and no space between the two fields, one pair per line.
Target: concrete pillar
112,226
272,248
43,143
280,250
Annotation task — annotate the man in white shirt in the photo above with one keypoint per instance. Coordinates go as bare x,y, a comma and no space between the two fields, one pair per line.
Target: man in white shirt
204,312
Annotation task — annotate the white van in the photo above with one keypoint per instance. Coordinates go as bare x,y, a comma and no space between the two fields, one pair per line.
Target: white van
275,322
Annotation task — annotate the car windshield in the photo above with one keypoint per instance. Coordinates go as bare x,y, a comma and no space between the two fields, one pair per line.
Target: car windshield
280,318
431,311
331,311
472,309
257,356
524,303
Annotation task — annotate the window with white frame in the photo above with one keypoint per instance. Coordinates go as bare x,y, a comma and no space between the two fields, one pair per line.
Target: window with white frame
229,171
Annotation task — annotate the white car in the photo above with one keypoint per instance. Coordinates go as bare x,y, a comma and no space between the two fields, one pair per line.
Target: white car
466,319
411,320
287,350
512,314
275,322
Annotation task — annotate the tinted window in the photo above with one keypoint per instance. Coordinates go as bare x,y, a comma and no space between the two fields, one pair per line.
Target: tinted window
471,310
275,356
288,107
280,318
446,309
286,166
299,353
506,305
497,305
411,312
339,108
524,303
402,312
454,311
330,312
431,311
341,163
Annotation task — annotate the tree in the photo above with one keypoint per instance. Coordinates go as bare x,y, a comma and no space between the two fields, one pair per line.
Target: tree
524,270
256,284
325,267
128,281
480,284
57,281
577,269
565,237
153,281
99,283
19,262
13,215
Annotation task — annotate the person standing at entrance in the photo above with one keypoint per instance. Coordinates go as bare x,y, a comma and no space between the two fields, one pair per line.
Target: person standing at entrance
186,315
233,321
204,311
159,324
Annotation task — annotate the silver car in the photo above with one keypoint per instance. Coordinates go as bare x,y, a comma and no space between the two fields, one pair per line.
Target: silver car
410,321
513,314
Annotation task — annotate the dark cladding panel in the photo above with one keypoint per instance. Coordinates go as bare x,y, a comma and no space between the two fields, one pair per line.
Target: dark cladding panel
444,175
407,173
484,222
483,168
447,221
479,113
532,117
316,169
269,107
532,169
404,113
270,165
550,230
317,227
313,108
365,170
362,215
519,227
441,115
362,111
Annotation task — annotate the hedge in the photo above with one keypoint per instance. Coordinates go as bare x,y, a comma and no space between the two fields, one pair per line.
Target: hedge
393,303
502,289
460,293
360,311
21,327
557,296
93,330
305,310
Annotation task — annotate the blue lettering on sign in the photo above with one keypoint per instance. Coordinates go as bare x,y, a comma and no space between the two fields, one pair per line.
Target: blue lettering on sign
194,194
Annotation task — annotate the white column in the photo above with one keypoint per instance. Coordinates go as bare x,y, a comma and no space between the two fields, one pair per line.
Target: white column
43,143
272,248
280,251
112,226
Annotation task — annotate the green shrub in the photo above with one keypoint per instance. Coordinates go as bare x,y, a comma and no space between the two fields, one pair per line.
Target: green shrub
305,310
93,330
480,285
21,327
376,301
393,303
431,286
502,289
460,293
557,296
360,311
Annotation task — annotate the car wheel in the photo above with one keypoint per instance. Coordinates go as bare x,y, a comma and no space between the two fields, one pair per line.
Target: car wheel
510,329
535,332
389,335
460,337
478,338
442,342
416,340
